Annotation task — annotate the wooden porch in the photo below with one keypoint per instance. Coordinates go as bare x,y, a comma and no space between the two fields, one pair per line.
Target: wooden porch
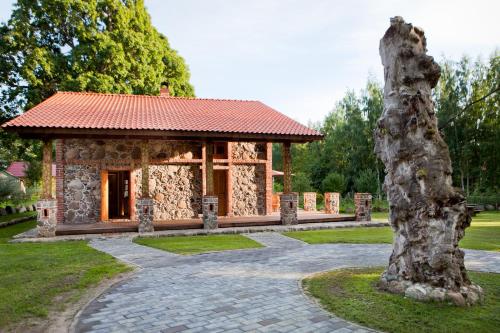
224,222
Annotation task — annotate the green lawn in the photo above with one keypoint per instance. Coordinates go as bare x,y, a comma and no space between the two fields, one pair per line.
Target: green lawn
483,234
34,274
199,244
352,295
10,217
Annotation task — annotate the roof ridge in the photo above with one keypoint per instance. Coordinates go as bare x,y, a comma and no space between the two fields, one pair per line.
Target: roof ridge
155,96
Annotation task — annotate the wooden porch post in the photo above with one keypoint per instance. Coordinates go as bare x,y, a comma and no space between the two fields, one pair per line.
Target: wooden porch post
210,168
47,170
46,207
145,168
229,199
287,168
288,200
145,205
209,202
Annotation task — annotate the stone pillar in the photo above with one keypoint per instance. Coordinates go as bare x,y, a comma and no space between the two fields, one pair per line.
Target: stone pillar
145,212
363,206
46,217
288,208
210,208
310,201
332,203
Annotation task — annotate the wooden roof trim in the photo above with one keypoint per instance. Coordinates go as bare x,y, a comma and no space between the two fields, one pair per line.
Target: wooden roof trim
60,133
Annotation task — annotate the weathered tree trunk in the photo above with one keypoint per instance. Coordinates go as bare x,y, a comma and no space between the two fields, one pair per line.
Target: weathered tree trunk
428,215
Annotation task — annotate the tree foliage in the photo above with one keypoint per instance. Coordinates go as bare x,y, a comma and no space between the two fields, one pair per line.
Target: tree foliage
471,130
334,182
301,182
106,46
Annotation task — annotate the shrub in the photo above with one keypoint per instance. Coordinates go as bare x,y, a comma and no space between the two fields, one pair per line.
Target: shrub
9,189
366,182
334,182
301,183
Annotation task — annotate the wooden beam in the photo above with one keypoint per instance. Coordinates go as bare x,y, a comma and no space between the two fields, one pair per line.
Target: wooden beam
104,195
229,188
204,168
269,178
210,168
287,167
145,168
54,132
47,170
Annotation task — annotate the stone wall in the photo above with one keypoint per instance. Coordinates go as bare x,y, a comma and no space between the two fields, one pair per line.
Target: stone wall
249,189
82,194
174,150
176,190
87,149
309,201
248,150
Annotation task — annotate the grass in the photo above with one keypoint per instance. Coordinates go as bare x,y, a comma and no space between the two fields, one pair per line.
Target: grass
37,278
10,217
483,234
352,295
199,244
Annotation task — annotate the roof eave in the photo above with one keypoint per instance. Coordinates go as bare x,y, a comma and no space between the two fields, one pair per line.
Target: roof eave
45,133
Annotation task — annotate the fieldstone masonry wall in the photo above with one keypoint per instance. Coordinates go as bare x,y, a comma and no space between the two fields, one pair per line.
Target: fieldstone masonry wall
332,203
363,206
310,201
82,194
248,150
176,189
249,189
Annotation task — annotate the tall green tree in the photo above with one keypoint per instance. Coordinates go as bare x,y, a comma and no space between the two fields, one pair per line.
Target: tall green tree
107,46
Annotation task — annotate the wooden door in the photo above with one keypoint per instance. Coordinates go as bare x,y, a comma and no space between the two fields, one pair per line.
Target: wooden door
220,190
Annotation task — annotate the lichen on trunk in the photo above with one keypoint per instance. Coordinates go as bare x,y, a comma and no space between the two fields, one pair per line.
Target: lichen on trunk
428,215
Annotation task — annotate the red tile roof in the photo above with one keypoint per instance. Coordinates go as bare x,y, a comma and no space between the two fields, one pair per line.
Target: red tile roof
112,111
18,169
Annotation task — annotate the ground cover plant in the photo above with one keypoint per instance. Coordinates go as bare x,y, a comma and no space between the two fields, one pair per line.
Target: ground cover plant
34,275
483,234
352,294
199,244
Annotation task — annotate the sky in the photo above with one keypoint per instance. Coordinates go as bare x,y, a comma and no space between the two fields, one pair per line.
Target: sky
301,56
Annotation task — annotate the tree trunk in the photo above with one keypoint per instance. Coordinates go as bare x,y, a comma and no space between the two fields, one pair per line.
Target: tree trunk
428,215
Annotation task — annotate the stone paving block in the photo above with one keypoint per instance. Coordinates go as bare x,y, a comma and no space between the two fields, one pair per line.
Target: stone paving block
231,290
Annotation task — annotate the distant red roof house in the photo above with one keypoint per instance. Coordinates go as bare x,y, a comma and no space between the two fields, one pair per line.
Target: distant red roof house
18,169
84,111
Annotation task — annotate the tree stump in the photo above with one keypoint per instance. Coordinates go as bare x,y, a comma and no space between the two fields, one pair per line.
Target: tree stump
427,214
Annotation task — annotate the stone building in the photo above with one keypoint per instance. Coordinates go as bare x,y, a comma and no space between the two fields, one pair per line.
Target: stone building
181,154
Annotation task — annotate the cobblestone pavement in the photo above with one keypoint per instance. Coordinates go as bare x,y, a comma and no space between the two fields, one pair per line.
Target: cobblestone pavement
233,291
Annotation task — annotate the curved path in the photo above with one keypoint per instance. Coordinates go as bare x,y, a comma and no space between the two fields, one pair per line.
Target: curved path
232,291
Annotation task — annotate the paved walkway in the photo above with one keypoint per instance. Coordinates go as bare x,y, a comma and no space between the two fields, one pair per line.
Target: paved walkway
232,291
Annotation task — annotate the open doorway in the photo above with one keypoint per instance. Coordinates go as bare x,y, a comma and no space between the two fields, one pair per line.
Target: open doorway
119,194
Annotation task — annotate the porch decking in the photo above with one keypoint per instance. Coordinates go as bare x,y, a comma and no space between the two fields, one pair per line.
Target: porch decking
224,222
